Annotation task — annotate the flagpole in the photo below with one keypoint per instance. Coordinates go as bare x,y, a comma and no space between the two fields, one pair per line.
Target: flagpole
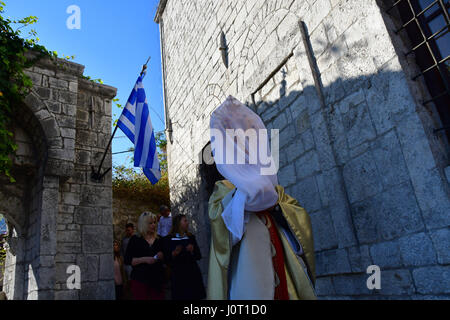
144,67
96,175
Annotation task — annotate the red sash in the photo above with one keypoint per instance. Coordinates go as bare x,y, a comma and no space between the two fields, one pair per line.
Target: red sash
281,291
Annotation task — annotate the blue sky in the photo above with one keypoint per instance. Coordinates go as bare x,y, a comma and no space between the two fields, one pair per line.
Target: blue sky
115,40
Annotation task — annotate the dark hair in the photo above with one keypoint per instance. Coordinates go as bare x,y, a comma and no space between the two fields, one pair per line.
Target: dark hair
163,208
129,225
176,225
117,254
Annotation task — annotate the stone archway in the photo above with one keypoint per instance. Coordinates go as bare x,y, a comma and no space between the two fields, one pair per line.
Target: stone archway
19,202
61,216
212,97
270,26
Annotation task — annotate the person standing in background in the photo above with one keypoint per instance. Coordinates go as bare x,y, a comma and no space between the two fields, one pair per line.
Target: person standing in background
145,254
129,232
164,227
182,253
120,277
165,221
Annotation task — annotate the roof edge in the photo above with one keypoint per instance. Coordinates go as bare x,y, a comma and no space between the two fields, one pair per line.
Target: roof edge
160,10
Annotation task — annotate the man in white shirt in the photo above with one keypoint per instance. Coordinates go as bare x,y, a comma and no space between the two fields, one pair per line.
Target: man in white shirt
165,221
164,227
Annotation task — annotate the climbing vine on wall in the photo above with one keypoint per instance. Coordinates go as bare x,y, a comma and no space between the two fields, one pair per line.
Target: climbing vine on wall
14,83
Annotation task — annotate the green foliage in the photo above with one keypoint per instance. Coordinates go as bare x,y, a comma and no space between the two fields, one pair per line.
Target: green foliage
120,107
14,83
129,184
161,143
93,80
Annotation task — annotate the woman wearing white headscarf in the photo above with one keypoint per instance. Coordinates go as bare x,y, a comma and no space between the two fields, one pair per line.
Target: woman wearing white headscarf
262,246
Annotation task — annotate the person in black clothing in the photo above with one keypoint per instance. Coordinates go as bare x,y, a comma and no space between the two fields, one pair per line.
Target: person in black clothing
182,253
145,254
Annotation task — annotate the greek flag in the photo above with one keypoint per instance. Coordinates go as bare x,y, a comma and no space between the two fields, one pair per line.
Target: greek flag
135,122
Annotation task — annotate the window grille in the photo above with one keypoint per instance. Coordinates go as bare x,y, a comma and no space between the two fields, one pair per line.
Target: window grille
426,22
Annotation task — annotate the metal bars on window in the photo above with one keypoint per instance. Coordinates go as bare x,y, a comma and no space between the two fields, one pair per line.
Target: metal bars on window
437,61
422,15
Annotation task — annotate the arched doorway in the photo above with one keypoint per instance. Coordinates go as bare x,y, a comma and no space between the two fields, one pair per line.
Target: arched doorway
19,203
3,239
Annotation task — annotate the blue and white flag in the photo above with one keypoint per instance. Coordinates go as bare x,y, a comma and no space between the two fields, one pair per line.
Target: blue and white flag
135,122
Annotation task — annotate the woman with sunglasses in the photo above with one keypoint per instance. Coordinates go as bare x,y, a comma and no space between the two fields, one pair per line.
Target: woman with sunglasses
145,254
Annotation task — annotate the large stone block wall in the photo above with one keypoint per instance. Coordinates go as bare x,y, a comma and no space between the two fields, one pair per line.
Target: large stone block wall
355,146
61,216
84,222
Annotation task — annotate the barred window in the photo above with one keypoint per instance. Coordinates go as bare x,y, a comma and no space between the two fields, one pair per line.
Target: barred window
426,22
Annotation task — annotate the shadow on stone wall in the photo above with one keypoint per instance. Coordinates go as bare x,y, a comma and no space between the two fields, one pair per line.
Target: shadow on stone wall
360,163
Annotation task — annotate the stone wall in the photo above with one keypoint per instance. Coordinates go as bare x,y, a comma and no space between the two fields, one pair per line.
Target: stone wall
60,216
356,148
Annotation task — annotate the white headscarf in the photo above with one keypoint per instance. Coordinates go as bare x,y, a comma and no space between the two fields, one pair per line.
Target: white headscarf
255,191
